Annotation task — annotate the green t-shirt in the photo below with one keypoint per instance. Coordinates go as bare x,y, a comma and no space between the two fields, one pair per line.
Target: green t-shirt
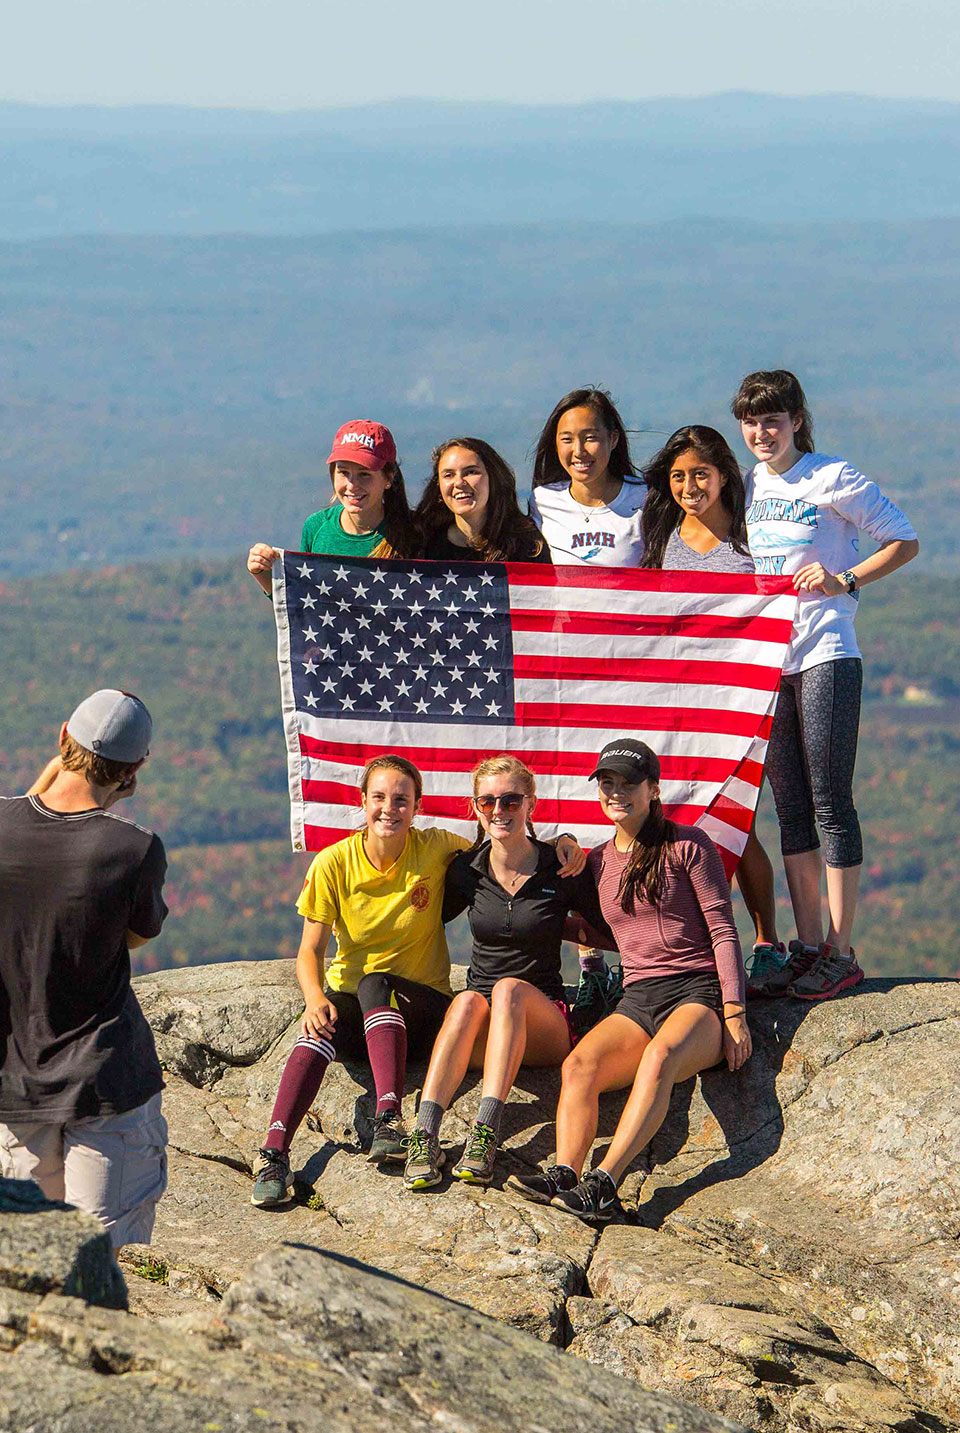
322,533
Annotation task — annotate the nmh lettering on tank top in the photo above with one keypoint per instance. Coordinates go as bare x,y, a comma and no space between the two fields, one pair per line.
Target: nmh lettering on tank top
447,663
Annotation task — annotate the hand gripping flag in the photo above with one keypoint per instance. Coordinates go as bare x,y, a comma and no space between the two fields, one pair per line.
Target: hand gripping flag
446,663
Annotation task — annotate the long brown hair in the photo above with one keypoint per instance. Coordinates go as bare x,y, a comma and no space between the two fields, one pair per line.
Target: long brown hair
505,766
547,467
644,874
662,514
508,535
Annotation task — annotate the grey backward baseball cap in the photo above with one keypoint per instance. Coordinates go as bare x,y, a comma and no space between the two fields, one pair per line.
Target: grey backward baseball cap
112,724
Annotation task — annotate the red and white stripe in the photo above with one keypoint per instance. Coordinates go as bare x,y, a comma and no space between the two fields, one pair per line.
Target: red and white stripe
689,662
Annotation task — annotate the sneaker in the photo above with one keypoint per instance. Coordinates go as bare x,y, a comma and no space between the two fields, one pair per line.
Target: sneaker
766,961
597,995
594,1199
389,1141
800,958
274,1182
425,1160
540,1188
828,975
475,1165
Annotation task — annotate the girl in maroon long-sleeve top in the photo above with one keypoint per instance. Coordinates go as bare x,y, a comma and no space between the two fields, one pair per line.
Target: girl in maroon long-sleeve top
664,895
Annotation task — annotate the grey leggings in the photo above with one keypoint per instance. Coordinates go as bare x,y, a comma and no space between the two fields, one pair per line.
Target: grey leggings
810,761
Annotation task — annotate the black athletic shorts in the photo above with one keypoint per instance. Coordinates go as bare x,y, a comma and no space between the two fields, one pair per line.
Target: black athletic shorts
649,1002
422,1008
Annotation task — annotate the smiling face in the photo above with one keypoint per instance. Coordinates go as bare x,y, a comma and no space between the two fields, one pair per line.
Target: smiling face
464,483
360,492
695,484
389,803
584,446
769,436
626,803
504,818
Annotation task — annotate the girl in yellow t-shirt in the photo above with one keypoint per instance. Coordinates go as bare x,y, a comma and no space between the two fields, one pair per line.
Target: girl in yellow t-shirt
381,892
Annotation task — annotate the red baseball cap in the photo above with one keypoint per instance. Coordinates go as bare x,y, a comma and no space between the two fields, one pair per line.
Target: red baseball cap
369,444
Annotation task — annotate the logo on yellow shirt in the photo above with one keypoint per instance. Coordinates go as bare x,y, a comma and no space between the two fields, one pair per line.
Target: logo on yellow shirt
420,897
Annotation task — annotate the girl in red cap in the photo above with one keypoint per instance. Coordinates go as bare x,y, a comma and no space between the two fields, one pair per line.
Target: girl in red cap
369,515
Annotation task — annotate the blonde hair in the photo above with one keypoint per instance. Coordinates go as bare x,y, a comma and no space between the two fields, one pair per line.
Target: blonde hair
505,766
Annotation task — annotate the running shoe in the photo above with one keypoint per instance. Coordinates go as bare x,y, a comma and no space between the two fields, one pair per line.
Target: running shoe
273,1182
425,1160
389,1143
800,958
596,997
594,1199
540,1188
828,975
475,1165
765,961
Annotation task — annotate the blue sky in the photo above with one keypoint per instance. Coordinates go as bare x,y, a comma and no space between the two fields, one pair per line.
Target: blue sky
286,54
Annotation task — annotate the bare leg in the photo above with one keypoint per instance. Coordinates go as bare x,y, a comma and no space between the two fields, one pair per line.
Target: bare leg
606,1058
755,879
465,1023
803,878
688,1041
843,885
525,1028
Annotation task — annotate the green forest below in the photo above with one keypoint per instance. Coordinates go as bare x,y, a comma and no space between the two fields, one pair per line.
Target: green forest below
196,641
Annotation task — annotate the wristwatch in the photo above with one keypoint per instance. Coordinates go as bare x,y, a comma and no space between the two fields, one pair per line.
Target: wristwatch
849,580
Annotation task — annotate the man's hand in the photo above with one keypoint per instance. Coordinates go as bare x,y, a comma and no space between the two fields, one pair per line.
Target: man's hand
46,778
120,793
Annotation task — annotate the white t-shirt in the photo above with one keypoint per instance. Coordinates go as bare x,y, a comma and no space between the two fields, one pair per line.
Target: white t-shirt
607,536
814,513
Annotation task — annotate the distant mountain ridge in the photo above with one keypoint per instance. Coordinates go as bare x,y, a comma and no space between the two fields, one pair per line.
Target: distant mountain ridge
176,170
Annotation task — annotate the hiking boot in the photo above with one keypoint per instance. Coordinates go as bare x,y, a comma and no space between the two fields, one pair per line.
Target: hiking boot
475,1165
828,975
540,1188
800,958
425,1160
766,961
596,997
273,1183
389,1143
594,1199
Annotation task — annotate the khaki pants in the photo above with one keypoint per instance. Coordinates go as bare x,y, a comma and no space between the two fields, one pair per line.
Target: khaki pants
114,1167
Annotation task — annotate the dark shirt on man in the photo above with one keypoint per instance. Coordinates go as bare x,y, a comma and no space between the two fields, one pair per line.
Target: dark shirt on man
74,1043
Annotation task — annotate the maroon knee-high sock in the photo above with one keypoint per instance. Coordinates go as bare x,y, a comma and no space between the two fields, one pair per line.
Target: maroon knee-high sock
386,1037
299,1084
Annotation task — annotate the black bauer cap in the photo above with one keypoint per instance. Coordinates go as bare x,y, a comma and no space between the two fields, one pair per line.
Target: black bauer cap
633,760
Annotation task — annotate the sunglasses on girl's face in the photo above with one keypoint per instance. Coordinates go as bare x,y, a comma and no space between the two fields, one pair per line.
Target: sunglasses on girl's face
510,801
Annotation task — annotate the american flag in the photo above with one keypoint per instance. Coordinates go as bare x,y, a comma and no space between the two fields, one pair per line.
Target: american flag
446,663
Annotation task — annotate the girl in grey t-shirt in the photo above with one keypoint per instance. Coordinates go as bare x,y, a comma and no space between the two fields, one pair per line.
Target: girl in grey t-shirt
694,519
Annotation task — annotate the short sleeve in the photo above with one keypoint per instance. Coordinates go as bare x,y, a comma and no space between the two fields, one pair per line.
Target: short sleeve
319,900
450,843
456,893
306,535
148,909
861,502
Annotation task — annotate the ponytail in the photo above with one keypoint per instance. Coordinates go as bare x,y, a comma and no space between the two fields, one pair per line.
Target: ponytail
644,875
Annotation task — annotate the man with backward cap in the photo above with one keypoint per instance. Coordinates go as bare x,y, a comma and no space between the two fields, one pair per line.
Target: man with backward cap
80,886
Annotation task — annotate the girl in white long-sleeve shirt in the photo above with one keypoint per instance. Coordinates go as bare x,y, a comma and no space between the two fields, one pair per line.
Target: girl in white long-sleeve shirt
805,512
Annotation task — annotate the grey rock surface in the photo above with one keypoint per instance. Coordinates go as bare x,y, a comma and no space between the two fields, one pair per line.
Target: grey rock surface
308,1343
46,1247
798,1268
